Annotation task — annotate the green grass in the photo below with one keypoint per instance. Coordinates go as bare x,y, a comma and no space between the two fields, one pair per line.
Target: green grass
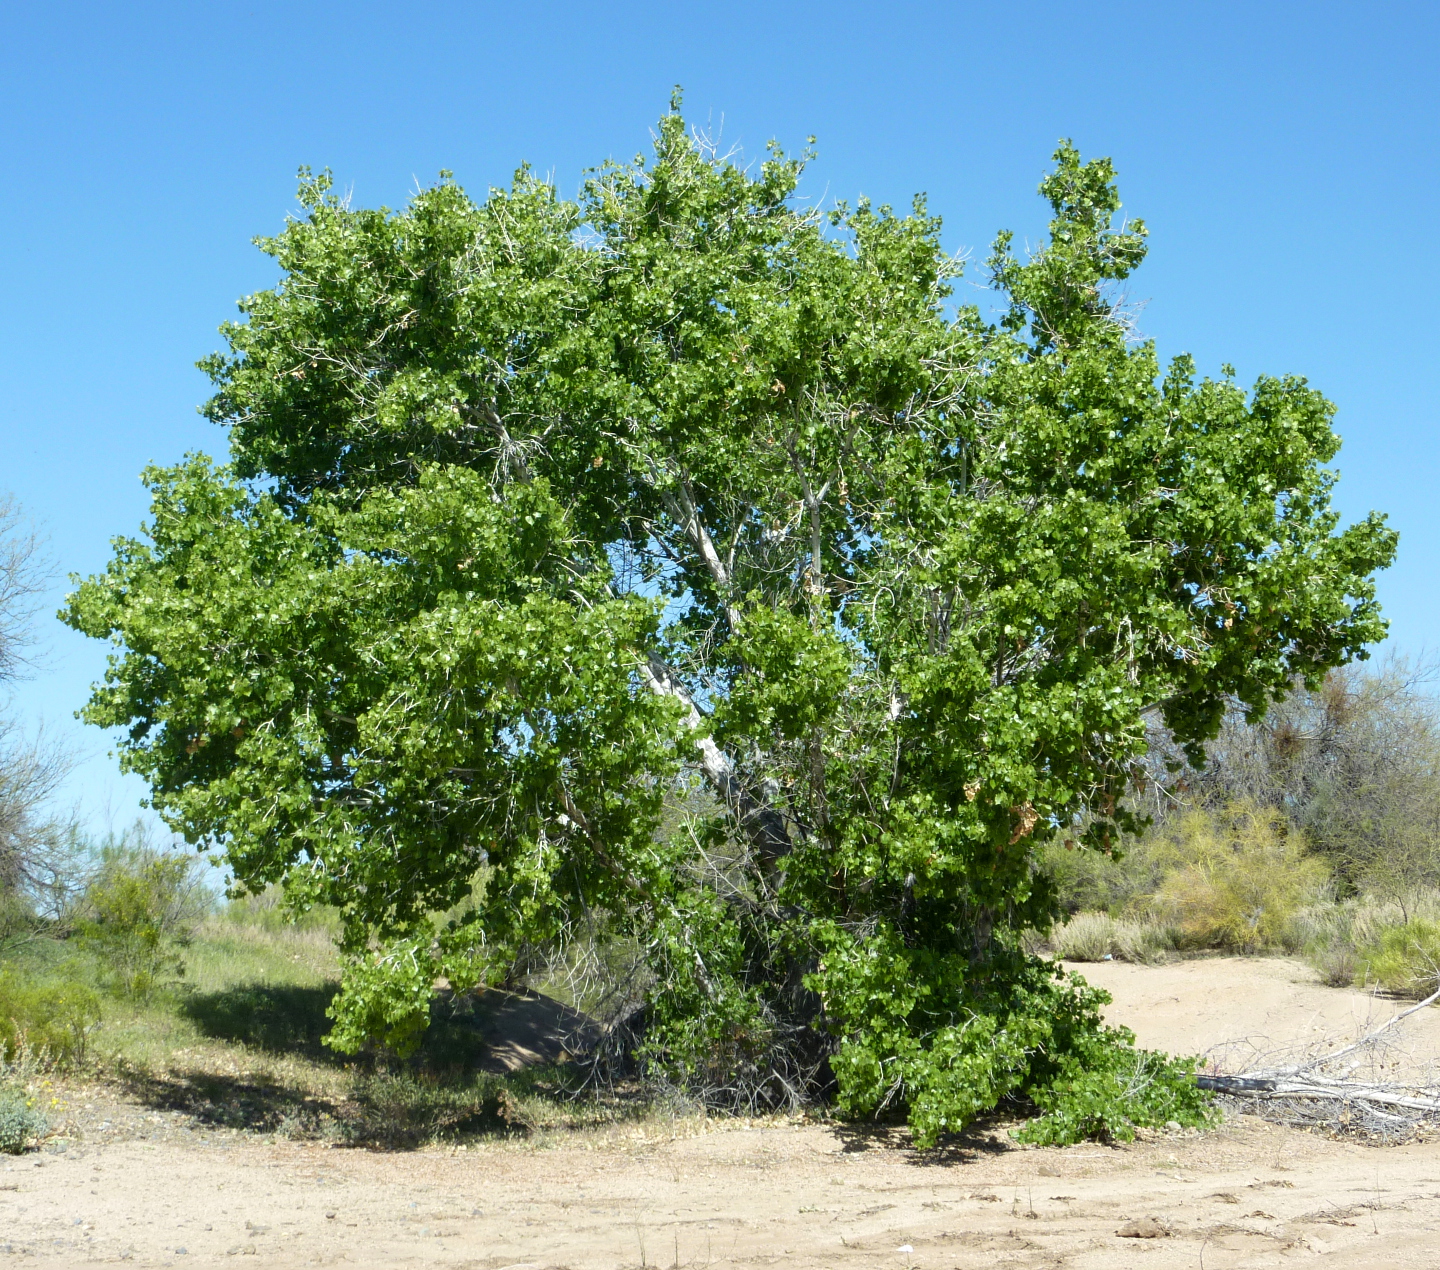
238,1042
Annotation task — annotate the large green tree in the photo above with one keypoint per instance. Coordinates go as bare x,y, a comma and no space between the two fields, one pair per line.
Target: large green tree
546,522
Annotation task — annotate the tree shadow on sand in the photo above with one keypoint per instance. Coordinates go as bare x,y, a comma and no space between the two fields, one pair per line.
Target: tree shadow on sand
984,1138
458,1084
384,1109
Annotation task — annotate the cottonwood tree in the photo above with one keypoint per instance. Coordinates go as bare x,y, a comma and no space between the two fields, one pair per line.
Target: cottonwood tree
542,514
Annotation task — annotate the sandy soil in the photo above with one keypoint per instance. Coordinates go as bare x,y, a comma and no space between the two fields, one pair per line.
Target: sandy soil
1235,1010
152,1188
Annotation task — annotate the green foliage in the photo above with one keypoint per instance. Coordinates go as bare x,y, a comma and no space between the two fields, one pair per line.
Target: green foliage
1404,959
137,916
539,512
21,1121
951,1046
1108,1090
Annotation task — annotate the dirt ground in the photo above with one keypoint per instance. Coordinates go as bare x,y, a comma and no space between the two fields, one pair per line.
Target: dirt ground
154,1188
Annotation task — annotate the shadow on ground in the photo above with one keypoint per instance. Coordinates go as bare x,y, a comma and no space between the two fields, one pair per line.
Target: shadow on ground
383,1109
461,1083
275,1020
485,1031
986,1137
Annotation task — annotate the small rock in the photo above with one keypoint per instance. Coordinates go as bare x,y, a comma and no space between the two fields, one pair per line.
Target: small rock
1143,1228
1172,1126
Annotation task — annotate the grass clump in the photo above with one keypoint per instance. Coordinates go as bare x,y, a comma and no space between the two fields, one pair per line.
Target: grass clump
1096,936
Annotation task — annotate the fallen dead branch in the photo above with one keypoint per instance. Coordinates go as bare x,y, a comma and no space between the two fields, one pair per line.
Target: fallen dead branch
1306,1093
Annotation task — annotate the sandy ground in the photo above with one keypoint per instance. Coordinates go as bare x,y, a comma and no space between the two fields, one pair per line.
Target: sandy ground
150,1188
1236,1010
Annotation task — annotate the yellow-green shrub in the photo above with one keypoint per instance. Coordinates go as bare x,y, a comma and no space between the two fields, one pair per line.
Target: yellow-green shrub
1236,879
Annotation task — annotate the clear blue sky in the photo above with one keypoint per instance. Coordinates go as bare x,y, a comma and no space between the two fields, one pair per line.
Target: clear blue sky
1283,155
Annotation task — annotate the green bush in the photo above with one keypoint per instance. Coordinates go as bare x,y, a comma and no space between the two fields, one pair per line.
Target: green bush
1237,879
50,1016
1403,959
1093,881
138,914
1110,1091
20,1120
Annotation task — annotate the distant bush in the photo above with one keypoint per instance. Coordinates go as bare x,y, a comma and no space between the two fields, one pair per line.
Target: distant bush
1339,939
1085,937
1092,881
1326,935
1237,879
138,914
1403,959
51,1017
268,910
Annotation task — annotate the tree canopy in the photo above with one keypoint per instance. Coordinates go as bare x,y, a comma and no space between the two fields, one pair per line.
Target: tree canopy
687,556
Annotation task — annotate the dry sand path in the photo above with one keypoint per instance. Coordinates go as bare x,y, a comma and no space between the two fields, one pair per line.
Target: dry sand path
1233,1008
734,1194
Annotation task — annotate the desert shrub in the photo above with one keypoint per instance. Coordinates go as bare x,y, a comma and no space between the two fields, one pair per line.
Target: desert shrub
20,1120
1238,879
1337,937
1403,959
51,1016
1326,935
138,914
1143,942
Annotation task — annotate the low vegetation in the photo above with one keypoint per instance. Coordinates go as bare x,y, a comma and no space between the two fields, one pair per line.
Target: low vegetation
237,1041
1313,831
